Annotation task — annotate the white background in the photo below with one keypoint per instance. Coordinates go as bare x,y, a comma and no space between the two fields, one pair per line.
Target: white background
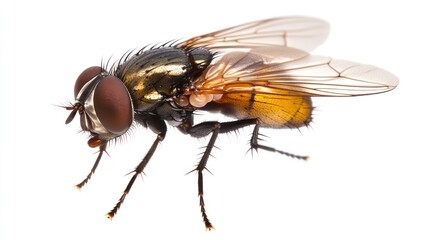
367,177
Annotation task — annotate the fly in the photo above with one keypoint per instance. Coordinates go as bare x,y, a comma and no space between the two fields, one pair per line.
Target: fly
259,73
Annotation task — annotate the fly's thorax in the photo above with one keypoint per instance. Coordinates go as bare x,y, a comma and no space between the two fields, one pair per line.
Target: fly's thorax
200,58
153,75
156,74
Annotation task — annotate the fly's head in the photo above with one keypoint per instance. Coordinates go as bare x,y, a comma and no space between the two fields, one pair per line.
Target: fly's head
104,105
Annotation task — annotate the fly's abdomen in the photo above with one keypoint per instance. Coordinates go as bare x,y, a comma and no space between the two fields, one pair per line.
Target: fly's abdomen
271,110
154,75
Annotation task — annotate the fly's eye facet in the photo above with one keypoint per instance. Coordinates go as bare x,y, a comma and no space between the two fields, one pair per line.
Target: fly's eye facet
112,105
85,77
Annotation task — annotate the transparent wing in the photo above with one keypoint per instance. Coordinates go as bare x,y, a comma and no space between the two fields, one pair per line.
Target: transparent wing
299,32
299,74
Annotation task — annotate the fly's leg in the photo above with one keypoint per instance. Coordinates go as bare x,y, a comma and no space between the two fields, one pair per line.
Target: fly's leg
215,128
157,126
101,150
202,130
200,167
254,145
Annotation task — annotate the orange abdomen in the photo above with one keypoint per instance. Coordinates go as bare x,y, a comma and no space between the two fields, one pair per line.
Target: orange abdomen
274,111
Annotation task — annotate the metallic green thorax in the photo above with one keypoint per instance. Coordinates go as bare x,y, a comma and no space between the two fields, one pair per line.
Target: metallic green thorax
154,75
157,74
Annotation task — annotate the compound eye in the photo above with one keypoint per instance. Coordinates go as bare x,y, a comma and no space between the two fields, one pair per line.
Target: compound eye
85,77
113,105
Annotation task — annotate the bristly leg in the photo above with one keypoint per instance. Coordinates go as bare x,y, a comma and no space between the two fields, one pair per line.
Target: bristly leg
101,150
156,125
254,145
201,130
200,168
137,171
215,128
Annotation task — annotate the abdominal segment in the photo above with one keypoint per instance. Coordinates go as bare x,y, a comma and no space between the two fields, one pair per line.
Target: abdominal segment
274,111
